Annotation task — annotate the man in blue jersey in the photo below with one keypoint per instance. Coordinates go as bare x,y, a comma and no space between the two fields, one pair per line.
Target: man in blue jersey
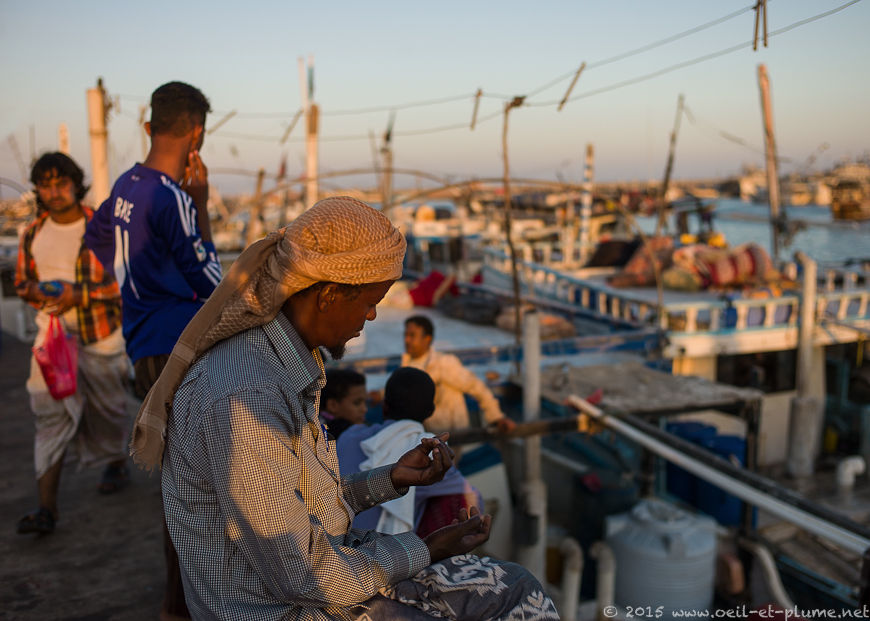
154,230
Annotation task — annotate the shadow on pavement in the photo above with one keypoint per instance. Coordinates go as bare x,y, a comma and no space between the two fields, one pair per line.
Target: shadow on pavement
104,562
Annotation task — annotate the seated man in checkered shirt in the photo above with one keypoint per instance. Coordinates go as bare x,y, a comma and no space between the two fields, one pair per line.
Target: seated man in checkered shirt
254,500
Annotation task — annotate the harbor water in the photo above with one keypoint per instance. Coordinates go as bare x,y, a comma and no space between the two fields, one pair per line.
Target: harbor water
820,236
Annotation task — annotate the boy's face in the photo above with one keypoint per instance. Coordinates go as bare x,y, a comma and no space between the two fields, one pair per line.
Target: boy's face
352,408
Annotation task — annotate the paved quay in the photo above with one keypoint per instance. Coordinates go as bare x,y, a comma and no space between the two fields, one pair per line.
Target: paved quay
104,561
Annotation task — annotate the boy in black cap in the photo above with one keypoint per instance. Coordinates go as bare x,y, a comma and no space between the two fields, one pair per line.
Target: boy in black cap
409,399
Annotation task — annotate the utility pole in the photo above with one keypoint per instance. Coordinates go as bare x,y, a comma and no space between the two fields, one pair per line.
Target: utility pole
807,413
770,157
476,106
516,102
531,545
760,15
567,228
387,175
255,215
32,144
142,133
571,87
661,222
279,182
586,205
13,144
376,166
306,82
63,138
98,110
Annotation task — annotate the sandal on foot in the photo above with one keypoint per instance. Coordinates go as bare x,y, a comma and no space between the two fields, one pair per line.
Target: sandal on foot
41,521
115,478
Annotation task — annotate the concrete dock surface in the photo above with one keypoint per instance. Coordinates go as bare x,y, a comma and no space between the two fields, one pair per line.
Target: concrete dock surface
104,561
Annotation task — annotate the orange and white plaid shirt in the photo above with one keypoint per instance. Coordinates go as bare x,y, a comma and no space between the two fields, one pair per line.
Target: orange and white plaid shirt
99,313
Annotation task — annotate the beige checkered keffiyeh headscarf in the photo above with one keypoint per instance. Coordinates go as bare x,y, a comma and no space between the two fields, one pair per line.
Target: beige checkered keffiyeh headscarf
339,239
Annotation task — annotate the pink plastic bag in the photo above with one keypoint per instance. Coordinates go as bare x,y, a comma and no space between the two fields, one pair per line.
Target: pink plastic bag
58,360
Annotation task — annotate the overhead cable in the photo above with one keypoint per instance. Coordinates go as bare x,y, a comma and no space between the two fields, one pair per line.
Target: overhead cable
479,93
721,133
413,104
647,76
644,48
699,59
351,137
452,98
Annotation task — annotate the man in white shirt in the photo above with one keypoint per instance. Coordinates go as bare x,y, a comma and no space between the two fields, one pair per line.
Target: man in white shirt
60,277
452,381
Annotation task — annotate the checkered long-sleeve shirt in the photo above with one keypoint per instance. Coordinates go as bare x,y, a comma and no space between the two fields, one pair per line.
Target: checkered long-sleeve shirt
99,313
254,501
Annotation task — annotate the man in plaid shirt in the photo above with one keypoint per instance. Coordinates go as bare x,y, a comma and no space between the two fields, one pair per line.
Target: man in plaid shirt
60,277
253,497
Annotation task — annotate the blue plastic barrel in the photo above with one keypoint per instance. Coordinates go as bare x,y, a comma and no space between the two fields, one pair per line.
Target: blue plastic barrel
724,507
681,483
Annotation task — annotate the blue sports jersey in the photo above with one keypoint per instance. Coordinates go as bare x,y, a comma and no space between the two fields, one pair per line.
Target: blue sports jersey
147,232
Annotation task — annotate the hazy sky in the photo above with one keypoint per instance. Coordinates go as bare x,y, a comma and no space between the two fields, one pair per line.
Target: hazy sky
371,57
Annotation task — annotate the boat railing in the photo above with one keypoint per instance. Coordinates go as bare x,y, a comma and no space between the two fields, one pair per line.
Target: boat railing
845,306
644,344
846,300
552,283
843,277
727,315
549,252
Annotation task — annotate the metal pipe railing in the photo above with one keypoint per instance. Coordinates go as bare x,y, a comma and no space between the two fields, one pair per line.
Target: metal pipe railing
748,486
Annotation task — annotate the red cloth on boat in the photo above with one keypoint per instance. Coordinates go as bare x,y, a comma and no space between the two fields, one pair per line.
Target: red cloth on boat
747,262
430,289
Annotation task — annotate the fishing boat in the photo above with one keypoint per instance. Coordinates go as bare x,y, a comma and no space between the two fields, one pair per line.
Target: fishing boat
641,471
795,340
850,200
716,332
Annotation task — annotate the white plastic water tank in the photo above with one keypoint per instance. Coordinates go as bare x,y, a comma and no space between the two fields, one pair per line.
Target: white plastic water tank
665,558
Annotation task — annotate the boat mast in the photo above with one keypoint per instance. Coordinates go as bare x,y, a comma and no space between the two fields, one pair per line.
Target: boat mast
516,102
387,173
586,206
770,156
661,223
